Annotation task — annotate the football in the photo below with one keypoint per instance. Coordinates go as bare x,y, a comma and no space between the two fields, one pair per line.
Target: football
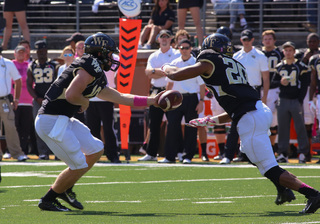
170,100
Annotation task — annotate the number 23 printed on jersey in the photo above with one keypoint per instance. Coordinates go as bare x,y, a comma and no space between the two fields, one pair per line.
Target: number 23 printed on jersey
43,75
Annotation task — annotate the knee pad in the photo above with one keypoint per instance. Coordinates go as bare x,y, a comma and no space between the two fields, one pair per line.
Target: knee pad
274,174
219,129
274,130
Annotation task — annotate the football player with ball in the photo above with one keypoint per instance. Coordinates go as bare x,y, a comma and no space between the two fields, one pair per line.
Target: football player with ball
227,79
68,138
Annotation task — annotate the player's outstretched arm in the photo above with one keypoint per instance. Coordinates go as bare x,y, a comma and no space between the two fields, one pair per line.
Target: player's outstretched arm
112,95
188,72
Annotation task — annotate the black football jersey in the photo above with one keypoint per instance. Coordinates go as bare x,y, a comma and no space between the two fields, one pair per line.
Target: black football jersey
274,58
228,81
43,75
314,63
298,77
55,101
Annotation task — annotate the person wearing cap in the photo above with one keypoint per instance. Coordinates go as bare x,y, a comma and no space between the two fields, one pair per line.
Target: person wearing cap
162,18
76,37
256,64
274,55
8,104
26,45
165,54
41,74
293,80
23,113
190,108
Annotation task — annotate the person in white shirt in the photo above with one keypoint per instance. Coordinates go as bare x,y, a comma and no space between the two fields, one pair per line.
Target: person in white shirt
156,60
8,104
190,108
256,65
255,62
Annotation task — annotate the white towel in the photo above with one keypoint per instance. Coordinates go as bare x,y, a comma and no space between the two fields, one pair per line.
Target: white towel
59,128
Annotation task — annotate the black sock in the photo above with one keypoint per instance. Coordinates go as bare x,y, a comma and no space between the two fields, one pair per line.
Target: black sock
308,191
204,149
221,148
70,189
50,195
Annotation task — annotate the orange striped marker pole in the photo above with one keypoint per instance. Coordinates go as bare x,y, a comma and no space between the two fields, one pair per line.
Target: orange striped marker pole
128,45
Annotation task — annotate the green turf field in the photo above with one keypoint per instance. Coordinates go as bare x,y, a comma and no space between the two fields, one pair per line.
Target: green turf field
154,193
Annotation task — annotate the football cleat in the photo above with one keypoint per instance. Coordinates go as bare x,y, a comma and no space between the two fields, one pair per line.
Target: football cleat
285,196
52,206
70,197
312,205
198,122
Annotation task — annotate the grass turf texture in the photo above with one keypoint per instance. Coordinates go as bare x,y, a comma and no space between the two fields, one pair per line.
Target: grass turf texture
152,193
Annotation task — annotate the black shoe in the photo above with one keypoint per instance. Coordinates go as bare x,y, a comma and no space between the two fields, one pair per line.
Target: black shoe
116,160
43,157
312,205
70,197
52,206
318,161
241,159
285,196
56,158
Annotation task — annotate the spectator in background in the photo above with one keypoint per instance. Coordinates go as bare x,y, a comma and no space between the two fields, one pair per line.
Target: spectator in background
312,16
274,56
314,97
256,65
190,108
234,8
181,35
8,104
99,113
67,55
313,48
76,37
293,81
162,18
10,9
165,54
26,45
41,74
79,49
23,114
194,7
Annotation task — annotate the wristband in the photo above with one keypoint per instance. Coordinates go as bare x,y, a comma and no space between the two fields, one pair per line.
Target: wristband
140,101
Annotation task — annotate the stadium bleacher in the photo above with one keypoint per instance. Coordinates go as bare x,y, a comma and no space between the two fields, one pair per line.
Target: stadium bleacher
56,20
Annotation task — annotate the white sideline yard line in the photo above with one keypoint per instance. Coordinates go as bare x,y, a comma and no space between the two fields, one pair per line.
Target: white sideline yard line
59,163
113,201
153,182
300,222
213,202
